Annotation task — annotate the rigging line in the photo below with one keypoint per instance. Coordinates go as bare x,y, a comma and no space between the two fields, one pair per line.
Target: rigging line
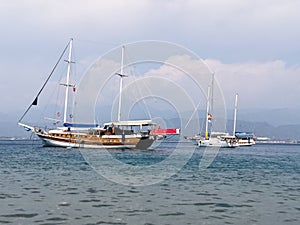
55,94
140,93
135,74
143,99
35,99
146,106
195,110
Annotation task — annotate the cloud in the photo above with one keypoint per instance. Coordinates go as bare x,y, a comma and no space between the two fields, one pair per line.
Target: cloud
206,19
260,85
233,33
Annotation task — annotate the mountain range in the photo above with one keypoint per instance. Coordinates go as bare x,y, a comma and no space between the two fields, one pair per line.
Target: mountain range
275,124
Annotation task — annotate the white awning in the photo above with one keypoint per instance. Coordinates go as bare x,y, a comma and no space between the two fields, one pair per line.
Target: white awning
131,123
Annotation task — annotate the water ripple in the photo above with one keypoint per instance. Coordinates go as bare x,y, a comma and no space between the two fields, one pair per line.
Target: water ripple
21,215
256,185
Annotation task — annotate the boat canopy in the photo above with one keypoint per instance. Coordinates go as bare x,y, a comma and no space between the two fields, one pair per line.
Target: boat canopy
244,134
80,125
131,123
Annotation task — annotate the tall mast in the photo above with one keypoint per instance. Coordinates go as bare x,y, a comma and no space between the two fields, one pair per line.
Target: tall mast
207,112
212,93
235,112
121,83
68,80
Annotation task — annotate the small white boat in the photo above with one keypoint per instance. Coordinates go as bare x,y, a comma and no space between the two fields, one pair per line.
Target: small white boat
218,139
243,138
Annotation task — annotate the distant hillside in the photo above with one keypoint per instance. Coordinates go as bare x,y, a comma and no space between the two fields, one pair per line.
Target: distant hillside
267,130
275,117
10,129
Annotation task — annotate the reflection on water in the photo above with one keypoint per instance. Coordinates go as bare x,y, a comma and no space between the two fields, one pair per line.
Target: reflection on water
256,185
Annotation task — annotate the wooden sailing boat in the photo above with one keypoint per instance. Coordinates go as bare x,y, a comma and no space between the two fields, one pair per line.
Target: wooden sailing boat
117,134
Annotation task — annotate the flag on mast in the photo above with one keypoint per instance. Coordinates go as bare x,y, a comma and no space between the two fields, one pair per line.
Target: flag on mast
209,117
35,101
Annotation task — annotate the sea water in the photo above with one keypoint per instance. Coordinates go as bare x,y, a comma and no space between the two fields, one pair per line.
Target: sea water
245,185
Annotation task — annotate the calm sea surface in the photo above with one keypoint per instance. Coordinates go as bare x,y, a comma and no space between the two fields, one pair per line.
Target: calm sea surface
254,185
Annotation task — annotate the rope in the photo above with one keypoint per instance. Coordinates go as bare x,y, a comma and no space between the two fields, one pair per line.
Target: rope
36,98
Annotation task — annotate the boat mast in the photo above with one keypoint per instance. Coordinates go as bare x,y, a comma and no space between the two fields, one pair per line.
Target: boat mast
212,93
121,83
207,112
67,84
235,112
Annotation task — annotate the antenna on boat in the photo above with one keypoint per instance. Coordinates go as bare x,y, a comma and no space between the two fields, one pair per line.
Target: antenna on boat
67,84
121,83
235,112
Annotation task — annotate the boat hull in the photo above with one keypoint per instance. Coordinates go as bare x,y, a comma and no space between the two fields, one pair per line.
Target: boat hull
73,140
246,143
216,143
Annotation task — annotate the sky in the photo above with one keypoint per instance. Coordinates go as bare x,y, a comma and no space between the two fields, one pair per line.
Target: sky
252,46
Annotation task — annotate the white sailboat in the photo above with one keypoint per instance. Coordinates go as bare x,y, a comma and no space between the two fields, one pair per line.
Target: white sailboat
215,139
243,138
232,139
113,135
